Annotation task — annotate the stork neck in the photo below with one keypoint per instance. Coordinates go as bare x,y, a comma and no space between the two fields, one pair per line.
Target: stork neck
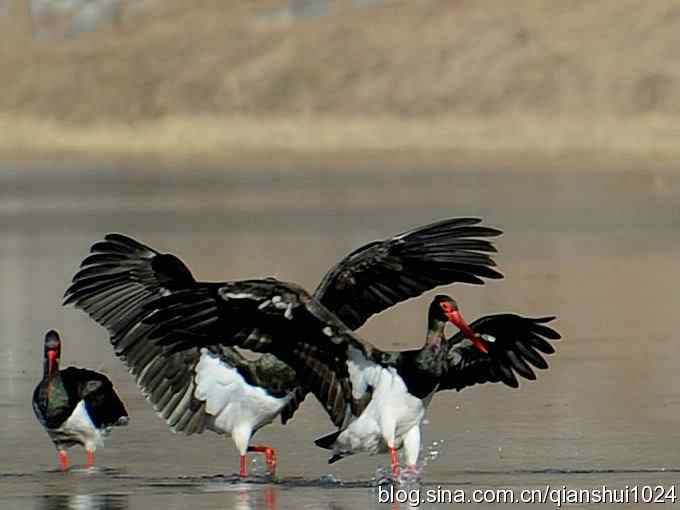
435,332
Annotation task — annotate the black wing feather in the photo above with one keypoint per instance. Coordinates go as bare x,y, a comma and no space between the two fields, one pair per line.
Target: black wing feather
159,317
266,316
112,286
513,351
384,273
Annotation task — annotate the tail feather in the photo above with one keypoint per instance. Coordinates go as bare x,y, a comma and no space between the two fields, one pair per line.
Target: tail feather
328,441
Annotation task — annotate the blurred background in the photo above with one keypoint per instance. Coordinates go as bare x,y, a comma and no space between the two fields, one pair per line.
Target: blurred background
257,138
441,80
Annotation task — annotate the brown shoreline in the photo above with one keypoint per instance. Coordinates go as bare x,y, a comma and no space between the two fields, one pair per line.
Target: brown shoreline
376,143
583,162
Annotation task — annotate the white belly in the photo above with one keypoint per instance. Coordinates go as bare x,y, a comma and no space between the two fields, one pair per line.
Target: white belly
78,428
230,401
391,413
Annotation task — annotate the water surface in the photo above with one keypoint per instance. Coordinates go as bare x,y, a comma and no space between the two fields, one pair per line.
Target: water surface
599,250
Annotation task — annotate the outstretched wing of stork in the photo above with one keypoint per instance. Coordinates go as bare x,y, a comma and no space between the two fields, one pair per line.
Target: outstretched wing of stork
514,343
113,285
384,273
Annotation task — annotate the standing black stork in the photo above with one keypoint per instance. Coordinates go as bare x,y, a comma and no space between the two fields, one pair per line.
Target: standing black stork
76,406
212,386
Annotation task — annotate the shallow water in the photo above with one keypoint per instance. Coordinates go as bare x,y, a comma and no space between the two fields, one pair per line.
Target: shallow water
600,250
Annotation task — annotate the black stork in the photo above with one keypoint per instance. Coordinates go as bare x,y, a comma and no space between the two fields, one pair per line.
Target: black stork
211,385
76,406
377,398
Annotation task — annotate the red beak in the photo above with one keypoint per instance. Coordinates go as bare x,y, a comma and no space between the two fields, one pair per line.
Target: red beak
51,361
457,320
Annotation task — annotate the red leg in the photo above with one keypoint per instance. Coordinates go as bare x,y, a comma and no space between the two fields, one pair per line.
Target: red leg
89,456
63,460
269,457
242,470
394,462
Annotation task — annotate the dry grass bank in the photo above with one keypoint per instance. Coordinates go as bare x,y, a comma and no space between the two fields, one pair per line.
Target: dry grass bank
590,77
375,141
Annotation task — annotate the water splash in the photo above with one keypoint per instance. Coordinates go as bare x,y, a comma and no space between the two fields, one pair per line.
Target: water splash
432,453
407,476
329,479
258,468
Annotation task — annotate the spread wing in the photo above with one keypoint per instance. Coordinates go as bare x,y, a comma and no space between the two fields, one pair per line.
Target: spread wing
112,286
266,316
515,344
384,273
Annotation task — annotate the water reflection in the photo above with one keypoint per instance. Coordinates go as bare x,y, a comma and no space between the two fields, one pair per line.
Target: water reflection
249,500
599,250
83,502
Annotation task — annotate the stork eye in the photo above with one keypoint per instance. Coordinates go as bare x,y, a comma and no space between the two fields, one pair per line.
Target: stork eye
446,307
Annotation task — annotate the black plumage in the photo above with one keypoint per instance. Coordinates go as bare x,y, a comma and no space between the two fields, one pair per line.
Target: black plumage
121,277
517,344
160,317
340,368
300,331
59,394
384,273
102,403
